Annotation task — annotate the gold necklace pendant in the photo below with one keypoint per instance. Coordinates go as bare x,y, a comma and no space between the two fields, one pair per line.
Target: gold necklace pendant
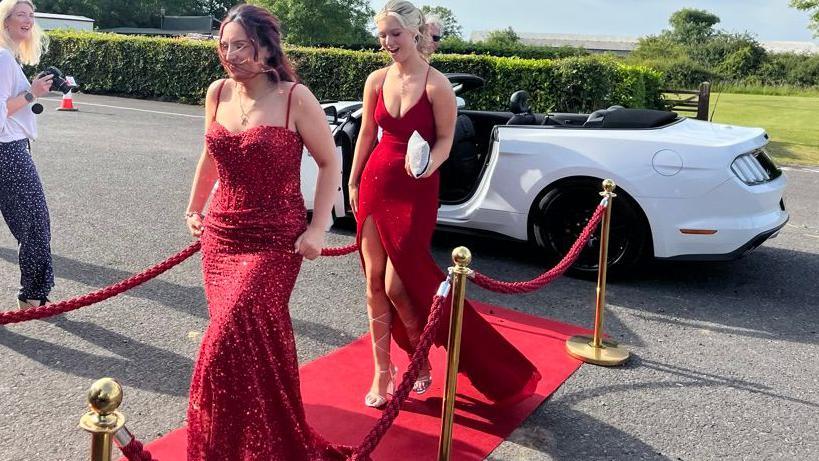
244,114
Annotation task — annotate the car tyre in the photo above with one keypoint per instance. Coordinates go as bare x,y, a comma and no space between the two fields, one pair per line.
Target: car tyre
560,214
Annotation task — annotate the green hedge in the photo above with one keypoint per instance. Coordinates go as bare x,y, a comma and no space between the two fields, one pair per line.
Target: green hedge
181,69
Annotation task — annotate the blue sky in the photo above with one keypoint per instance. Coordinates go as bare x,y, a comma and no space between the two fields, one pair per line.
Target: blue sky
768,19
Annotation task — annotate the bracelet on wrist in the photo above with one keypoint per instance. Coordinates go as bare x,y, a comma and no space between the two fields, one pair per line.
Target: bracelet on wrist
191,214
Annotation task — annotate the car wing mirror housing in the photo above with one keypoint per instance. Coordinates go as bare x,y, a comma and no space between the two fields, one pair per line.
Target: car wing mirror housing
332,114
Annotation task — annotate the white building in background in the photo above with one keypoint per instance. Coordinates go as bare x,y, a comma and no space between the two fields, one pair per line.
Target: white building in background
790,47
592,43
625,45
49,21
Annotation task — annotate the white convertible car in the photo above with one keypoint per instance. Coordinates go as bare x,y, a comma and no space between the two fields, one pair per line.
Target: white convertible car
687,189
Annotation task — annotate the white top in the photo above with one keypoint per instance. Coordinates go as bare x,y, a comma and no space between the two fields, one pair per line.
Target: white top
13,82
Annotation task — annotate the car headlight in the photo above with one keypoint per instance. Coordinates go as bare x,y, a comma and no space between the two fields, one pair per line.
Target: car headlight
755,167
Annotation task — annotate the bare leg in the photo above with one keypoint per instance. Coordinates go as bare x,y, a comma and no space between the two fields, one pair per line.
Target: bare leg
414,325
379,312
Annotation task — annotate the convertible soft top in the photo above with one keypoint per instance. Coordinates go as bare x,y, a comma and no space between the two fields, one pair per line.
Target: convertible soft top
638,118
629,118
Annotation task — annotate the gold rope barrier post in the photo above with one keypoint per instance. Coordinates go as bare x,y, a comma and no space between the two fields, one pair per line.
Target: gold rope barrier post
103,421
461,256
594,349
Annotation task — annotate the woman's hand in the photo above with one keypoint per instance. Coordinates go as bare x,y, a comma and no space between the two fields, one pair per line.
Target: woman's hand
353,192
427,173
310,243
41,85
430,168
194,223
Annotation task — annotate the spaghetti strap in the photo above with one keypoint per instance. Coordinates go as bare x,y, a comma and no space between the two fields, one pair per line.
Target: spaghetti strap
384,80
289,97
218,98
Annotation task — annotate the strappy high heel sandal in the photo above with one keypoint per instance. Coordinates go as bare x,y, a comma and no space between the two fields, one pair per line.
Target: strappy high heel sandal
381,346
424,379
376,400
422,383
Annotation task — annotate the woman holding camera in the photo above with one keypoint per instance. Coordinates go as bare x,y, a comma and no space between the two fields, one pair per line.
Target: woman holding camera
22,200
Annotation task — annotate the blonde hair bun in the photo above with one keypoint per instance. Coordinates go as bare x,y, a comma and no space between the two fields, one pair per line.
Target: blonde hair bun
410,18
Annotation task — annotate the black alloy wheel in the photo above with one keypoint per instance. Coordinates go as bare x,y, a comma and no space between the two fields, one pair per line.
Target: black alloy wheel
560,215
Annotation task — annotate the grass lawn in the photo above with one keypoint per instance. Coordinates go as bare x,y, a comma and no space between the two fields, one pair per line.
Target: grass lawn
792,122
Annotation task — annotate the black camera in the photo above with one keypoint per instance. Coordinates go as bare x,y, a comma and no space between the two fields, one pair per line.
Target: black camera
58,83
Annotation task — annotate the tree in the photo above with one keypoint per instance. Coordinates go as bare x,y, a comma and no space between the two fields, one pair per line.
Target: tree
312,22
691,26
812,7
125,13
503,38
106,14
657,47
216,8
449,24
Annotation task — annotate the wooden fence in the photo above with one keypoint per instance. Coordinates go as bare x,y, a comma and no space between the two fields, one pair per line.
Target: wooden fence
691,101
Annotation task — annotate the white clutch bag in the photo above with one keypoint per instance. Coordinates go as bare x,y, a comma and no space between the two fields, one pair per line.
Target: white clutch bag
418,154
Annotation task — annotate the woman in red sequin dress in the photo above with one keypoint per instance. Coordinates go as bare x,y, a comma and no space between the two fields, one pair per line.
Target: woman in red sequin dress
245,401
396,216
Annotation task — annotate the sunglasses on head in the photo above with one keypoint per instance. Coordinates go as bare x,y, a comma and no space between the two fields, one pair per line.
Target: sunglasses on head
436,38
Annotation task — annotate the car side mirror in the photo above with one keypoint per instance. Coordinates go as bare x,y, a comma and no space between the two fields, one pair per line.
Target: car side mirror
332,114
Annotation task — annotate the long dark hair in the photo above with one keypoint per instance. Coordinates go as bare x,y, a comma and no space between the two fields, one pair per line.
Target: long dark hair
263,29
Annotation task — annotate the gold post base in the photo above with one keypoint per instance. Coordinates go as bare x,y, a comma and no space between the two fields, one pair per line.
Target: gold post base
581,347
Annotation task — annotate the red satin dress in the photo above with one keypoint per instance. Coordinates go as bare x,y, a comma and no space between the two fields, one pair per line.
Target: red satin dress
405,212
245,400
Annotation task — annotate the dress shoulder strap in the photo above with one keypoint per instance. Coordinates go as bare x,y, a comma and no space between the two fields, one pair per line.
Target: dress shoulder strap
384,80
218,97
289,98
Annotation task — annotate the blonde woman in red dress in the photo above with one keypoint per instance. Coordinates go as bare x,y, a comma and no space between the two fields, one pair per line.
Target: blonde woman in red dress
396,215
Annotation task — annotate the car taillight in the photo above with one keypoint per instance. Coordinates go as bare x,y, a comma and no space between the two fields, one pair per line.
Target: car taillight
755,167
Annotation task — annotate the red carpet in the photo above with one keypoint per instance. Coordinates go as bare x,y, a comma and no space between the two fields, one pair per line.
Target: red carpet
333,389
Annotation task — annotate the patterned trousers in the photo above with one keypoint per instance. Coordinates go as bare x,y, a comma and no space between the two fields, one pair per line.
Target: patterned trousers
23,205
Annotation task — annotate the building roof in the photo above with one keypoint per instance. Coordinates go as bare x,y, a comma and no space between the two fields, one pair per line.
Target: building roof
626,44
589,42
66,17
173,26
790,47
193,23
153,31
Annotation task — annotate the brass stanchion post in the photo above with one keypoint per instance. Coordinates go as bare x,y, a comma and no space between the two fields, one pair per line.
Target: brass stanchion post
461,256
594,349
103,421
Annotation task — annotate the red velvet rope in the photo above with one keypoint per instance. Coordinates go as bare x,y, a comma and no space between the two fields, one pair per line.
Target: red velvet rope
339,251
363,451
544,279
34,313
134,451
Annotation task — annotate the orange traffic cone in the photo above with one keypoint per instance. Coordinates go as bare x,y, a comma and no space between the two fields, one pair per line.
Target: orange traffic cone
67,103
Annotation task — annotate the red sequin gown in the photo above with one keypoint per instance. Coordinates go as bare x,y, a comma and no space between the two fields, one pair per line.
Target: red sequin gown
405,212
245,401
